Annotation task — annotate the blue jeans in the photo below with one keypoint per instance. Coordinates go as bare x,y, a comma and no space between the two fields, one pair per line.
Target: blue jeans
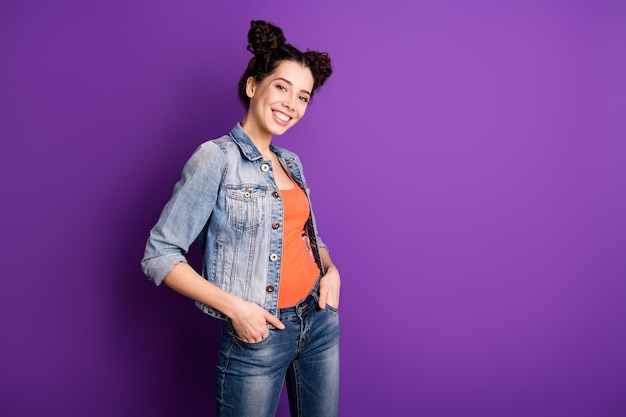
305,354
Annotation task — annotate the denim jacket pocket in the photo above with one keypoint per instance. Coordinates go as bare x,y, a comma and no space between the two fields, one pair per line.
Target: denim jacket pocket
246,207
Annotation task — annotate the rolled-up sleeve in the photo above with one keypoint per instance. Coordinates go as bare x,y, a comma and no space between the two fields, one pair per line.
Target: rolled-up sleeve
185,214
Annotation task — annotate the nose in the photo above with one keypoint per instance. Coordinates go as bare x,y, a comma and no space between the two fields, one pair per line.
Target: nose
290,102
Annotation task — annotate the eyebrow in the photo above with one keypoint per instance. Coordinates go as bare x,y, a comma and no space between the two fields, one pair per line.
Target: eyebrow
291,84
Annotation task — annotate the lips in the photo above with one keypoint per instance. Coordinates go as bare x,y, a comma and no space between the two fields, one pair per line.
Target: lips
281,118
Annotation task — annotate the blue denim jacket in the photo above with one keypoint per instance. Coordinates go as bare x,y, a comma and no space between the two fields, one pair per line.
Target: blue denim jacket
227,199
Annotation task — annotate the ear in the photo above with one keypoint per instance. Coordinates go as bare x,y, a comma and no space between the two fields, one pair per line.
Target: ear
250,87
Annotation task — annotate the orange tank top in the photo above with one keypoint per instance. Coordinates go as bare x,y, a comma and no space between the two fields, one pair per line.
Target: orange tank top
298,269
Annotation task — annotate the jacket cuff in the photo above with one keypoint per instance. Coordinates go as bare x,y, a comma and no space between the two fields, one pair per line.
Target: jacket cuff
157,268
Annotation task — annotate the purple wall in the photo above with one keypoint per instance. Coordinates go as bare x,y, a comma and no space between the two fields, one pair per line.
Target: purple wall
469,173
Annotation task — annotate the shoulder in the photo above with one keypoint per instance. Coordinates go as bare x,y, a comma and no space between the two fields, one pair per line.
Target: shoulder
209,156
215,149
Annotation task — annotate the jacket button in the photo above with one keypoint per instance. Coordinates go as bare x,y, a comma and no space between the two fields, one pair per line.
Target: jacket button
273,257
275,225
265,167
275,194
270,288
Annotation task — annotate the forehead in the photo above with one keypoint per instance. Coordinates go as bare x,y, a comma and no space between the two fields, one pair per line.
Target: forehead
294,72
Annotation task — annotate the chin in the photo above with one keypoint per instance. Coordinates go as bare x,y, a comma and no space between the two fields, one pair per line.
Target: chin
281,130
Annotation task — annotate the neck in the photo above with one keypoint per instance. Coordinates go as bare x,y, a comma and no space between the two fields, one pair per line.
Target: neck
261,140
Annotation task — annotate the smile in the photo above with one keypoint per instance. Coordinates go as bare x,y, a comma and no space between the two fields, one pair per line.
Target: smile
281,116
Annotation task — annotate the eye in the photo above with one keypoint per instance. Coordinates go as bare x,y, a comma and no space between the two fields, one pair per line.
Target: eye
281,87
304,99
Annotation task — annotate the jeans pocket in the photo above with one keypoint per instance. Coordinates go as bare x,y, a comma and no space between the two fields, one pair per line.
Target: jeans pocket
244,343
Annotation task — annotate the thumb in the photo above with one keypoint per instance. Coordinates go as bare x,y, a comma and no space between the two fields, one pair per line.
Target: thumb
273,320
322,300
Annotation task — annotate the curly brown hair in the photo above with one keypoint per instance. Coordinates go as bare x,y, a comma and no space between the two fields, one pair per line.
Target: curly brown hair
268,44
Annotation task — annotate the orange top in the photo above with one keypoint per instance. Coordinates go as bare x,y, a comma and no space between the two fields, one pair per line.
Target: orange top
298,268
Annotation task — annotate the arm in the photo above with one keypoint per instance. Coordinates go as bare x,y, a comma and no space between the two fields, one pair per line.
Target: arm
181,221
330,282
249,319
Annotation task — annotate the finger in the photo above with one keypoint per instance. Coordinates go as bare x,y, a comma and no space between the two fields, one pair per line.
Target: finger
260,338
254,337
323,299
273,320
332,299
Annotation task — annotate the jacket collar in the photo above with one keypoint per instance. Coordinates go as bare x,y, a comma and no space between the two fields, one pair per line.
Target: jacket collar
248,148
245,143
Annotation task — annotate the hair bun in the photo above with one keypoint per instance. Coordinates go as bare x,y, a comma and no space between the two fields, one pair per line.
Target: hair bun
319,63
264,36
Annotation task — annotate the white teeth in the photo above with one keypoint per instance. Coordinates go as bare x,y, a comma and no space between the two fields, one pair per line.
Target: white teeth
282,117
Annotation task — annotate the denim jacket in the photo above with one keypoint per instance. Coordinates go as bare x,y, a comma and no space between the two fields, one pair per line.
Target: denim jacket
227,199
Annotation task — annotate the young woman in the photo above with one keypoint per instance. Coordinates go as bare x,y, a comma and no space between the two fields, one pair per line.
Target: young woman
265,271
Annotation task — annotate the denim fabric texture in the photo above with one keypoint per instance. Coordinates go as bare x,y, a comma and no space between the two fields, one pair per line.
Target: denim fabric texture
227,199
250,375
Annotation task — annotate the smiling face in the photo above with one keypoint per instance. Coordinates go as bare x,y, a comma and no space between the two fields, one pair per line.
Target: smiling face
278,101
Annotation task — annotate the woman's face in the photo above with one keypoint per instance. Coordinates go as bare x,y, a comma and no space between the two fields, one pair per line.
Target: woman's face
279,101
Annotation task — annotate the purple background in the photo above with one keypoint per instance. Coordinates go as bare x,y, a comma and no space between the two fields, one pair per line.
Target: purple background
468,166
